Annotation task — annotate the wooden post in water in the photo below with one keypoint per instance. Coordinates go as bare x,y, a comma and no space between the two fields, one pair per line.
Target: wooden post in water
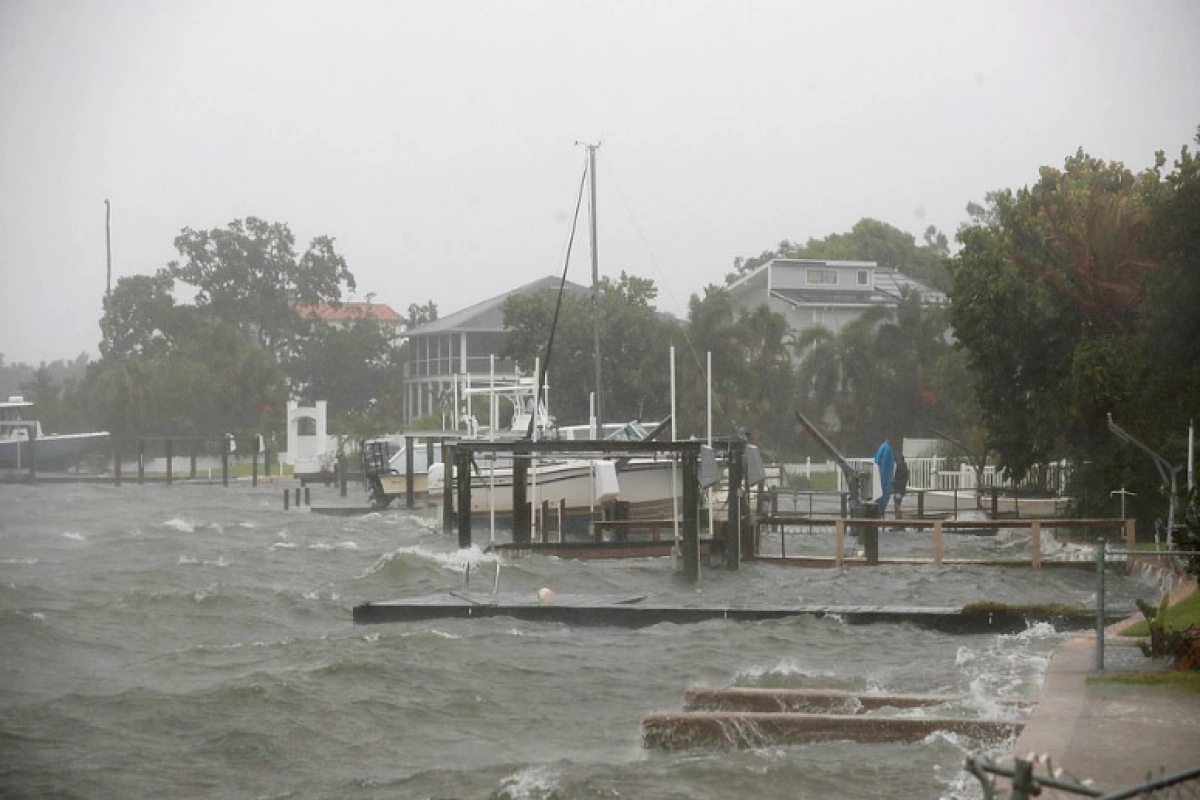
733,528
192,472
141,461
938,540
462,468
995,502
117,466
225,442
170,457
868,535
1130,533
342,478
410,496
32,452
449,459
839,541
1035,543
522,524
254,465
690,547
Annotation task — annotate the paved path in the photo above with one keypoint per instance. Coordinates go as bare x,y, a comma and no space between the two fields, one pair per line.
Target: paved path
1113,733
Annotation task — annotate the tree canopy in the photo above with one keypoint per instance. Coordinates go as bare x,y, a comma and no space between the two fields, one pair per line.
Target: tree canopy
1074,298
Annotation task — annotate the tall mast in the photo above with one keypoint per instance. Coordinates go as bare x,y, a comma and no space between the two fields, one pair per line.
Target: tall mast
595,288
107,249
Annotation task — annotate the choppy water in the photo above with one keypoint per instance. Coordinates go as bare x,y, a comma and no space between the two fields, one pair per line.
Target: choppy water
194,641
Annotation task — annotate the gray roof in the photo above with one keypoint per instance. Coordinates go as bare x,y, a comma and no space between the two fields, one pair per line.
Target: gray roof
488,315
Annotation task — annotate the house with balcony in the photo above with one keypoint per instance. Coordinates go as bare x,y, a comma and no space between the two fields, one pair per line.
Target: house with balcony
831,294
460,346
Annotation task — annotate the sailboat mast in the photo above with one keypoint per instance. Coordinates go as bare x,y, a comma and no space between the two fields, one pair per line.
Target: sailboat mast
595,287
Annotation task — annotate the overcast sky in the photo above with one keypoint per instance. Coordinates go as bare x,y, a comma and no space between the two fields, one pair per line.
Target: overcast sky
436,141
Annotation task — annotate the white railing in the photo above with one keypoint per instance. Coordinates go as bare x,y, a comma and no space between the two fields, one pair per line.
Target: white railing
941,473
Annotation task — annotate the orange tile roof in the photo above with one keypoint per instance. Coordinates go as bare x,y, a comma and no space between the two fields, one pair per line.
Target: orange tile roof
349,312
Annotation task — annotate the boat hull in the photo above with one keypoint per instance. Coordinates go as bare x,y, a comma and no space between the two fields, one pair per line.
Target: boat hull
55,452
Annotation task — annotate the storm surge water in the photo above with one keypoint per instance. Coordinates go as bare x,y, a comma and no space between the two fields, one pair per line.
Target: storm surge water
195,641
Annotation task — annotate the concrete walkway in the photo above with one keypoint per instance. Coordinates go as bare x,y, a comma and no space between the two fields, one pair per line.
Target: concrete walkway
1115,734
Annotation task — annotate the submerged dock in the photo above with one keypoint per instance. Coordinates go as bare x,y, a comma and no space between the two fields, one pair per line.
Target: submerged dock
630,611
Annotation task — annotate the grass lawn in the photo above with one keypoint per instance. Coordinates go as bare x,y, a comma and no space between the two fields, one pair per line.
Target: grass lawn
1179,616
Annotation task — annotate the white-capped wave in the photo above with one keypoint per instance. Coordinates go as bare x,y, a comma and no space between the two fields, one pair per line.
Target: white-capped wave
18,561
453,560
73,536
192,561
531,783
180,524
333,546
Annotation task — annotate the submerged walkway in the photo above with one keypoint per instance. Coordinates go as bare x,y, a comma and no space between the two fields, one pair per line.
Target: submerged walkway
1112,733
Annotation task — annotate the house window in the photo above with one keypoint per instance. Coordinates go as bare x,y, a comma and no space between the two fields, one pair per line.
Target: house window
864,278
824,277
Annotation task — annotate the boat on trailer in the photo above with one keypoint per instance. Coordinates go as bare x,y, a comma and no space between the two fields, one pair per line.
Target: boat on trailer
23,441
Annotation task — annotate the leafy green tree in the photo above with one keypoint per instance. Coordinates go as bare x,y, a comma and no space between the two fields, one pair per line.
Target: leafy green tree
141,317
1049,304
419,315
880,376
634,339
753,379
353,368
248,274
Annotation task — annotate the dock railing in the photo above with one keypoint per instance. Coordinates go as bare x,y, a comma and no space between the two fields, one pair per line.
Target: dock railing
938,528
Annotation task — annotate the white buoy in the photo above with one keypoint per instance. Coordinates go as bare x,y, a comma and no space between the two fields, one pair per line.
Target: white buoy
546,596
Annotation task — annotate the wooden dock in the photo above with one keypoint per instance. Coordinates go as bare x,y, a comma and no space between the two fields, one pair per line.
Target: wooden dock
749,729
630,611
746,717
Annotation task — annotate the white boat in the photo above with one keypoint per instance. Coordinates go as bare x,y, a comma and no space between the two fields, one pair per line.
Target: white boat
48,451
643,486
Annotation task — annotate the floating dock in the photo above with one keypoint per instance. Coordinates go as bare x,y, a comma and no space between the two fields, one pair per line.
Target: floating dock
630,611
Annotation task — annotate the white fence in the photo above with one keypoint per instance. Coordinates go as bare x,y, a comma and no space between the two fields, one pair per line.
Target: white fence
939,472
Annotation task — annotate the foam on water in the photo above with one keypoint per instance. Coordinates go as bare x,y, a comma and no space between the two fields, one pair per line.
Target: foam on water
73,536
533,783
453,560
181,525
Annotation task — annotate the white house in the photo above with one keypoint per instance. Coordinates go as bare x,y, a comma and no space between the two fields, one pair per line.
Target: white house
809,292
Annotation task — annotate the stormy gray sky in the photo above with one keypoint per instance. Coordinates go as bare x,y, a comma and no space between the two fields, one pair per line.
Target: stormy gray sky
436,140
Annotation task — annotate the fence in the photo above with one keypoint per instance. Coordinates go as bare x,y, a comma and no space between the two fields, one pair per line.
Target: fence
944,474
1026,783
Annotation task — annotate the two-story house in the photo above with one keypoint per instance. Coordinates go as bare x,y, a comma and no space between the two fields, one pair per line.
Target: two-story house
810,292
462,344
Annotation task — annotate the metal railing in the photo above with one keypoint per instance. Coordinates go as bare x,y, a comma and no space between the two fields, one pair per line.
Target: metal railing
1026,783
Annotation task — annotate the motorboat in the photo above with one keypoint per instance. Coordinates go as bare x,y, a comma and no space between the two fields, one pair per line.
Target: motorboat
23,441
578,487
